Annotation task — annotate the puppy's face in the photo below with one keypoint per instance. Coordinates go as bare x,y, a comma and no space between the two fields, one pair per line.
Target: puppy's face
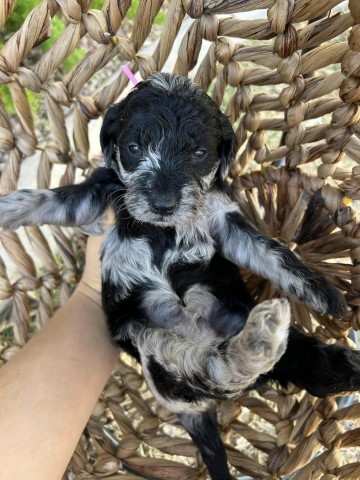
167,146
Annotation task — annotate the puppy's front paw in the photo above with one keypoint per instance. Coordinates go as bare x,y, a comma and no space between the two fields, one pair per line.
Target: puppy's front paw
325,298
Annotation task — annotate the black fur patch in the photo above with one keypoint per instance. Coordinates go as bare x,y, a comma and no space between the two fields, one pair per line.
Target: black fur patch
169,386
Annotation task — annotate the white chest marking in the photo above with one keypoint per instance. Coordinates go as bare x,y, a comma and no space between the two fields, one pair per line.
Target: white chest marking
126,262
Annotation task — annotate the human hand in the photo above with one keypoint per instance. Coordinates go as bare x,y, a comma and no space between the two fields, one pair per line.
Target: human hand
90,283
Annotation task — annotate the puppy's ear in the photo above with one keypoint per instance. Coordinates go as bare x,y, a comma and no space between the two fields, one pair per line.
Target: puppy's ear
227,147
110,130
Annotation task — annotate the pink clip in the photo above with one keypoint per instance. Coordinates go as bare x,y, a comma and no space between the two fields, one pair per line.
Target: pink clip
129,74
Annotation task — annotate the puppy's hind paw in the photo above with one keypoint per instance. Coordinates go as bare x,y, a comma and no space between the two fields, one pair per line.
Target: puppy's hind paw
256,349
266,331
332,370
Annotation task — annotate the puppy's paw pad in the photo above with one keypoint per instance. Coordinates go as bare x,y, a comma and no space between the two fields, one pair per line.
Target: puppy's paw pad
267,329
270,315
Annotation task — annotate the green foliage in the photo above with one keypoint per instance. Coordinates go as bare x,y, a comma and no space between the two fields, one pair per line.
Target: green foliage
77,55
131,13
17,18
132,10
97,4
33,98
14,23
160,18
58,26
6,98
7,333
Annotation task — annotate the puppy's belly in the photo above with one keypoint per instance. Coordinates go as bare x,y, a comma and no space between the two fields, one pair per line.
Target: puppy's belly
198,308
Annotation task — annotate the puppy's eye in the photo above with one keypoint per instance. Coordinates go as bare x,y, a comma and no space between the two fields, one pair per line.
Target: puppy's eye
134,149
200,154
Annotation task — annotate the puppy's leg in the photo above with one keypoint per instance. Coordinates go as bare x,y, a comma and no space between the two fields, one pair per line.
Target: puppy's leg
257,348
73,205
199,366
318,368
203,429
244,246
186,373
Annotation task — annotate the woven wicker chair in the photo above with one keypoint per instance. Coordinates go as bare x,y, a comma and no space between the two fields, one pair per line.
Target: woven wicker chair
290,83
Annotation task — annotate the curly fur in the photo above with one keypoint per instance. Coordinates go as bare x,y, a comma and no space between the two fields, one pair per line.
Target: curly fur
172,291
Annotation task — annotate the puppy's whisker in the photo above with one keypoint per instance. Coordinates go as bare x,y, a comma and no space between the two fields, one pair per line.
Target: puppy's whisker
113,193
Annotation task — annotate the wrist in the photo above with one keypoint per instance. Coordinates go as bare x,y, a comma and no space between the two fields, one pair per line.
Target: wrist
91,293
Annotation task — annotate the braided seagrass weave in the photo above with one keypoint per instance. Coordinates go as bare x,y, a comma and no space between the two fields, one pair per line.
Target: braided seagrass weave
290,83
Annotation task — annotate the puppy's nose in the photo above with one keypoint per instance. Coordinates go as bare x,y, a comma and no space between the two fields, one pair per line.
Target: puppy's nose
164,204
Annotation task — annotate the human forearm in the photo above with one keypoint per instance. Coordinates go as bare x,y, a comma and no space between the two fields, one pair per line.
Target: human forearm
48,390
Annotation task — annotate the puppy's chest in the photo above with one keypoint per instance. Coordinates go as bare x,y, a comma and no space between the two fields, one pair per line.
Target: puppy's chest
134,262
187,252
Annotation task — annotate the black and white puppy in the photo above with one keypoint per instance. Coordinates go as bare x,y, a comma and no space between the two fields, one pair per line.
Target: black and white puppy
172,291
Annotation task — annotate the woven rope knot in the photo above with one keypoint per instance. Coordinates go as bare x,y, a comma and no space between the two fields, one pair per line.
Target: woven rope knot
295,114
51,280
279,15
354,8
290,67
88,107
224,50
27,79
350,66
286,43
25,143
72,10
293,91
6,289
5,75
96,25
7,140
235,73
26,284
209,27
147,66
338,137
354,38
345,116
79,160
194,8
328,431
69,276
350,90
58,92
34,31
252,121
126,48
